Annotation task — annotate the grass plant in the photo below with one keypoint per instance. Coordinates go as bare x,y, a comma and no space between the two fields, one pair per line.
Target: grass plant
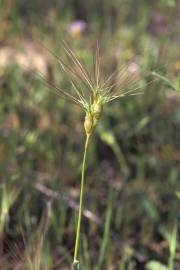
92,91
8,197
134,150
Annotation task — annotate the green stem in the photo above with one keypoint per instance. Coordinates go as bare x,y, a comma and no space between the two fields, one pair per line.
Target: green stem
170,266
76,262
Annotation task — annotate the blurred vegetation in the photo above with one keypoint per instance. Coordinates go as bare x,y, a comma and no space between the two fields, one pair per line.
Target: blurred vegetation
131,219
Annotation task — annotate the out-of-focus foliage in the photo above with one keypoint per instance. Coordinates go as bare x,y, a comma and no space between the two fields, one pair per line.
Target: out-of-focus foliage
136,149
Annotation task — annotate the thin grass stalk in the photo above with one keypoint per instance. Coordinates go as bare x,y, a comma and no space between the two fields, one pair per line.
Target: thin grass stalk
76,264
172,247
106,234
86,254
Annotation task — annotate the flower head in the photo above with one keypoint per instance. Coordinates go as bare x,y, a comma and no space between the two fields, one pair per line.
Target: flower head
91,89
76,27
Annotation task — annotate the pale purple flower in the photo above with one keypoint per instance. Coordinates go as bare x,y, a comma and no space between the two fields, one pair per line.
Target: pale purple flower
77,27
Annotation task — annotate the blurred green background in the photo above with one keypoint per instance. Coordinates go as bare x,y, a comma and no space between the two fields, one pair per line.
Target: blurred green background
132,197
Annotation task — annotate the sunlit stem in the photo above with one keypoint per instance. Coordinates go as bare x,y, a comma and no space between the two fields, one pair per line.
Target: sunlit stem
76,264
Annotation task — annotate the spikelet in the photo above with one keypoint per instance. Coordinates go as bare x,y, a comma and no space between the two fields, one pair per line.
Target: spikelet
88,123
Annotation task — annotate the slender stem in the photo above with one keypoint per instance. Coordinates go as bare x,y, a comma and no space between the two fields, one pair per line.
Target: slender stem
76,262
170,263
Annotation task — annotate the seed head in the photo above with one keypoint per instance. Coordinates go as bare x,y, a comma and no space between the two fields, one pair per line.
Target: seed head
91,89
